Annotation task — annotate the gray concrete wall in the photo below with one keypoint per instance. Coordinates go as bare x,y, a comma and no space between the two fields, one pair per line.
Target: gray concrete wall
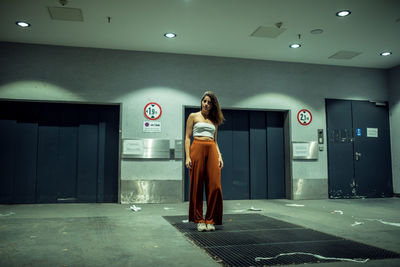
394,105
134,79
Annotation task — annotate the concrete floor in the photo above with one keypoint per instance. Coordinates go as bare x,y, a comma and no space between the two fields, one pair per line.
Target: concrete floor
113,235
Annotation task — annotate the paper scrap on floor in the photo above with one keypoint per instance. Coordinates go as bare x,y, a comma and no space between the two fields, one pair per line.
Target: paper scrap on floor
337,211
134,208
239,210
314,255
357,223
384,222
7,214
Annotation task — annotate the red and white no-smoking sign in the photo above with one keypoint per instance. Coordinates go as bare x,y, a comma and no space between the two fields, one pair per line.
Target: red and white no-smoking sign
152,111
304,117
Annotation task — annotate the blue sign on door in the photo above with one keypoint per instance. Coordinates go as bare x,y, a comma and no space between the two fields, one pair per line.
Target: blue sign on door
358,131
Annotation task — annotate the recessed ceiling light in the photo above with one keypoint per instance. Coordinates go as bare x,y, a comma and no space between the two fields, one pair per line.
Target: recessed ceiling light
386,53
23,24
317,31
343,13
170,35
295,45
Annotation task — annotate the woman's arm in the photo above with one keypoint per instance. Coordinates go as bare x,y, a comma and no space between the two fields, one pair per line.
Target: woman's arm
188,136
221,162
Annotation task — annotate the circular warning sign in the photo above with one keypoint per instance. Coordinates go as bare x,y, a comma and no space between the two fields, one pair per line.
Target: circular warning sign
304,117
152,111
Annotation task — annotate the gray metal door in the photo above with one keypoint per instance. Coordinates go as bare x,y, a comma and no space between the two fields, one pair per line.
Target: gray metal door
372,165
359,161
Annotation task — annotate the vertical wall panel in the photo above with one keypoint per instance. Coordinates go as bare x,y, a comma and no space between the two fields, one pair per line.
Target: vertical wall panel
186,171
25,162
47,172
7,158
67,123
100,161
258,155
240,155
225,144
67,161
87,163
87,155
26,152
111,119
276,155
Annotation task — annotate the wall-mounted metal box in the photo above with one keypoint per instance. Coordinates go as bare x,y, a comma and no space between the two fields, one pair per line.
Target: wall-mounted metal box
305,150
145,148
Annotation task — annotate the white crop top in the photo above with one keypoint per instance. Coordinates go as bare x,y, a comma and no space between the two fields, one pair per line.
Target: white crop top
204,129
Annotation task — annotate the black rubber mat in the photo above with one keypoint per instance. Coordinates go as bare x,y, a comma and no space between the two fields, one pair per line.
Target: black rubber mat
256,240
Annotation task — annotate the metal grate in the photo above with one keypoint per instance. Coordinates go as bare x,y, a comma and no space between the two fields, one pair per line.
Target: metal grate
244,237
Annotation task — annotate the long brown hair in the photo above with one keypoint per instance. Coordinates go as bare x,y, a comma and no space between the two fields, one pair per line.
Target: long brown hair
215,114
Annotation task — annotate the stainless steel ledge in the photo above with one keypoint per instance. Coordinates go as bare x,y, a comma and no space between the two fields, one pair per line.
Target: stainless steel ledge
146,148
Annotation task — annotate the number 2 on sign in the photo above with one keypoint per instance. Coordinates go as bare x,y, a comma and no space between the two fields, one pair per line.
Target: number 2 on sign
304,117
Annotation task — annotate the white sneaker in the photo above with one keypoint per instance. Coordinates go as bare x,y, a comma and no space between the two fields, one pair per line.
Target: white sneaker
201,227
210,227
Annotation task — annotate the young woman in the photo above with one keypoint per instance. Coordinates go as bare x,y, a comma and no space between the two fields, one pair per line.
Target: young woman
204,161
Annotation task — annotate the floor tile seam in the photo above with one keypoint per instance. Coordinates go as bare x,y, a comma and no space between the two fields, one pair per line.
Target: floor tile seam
272,244
245,231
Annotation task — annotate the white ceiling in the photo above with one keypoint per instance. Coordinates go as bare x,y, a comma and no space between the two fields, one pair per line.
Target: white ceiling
217,28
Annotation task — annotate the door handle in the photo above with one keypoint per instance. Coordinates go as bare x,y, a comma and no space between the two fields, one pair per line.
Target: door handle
358,156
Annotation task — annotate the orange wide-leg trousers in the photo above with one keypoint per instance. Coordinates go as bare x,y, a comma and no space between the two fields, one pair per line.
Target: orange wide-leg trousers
205,171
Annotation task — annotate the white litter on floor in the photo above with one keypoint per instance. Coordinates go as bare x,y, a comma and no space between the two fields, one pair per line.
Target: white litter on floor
384,222
134,208
357,223
254,209
239,210
167,208
294,205
7,214
337,211
185,221
314,255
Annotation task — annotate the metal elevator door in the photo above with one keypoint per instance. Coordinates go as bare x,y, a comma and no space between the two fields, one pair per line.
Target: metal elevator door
359,160
58,152
252,145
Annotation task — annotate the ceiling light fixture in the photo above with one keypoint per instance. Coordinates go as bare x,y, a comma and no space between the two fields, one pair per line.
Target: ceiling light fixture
317,31
23,24
170,35
343,13
296,45
386,53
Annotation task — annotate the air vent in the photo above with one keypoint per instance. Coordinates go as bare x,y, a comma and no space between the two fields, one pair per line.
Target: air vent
345,55
268,32
64,13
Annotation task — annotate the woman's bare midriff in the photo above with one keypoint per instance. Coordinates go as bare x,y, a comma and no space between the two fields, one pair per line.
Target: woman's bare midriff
203,138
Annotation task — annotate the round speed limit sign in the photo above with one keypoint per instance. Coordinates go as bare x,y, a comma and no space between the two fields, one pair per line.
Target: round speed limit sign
304,117
152,111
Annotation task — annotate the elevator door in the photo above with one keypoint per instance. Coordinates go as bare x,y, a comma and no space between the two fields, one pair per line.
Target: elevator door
252,145
56,152
359,160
